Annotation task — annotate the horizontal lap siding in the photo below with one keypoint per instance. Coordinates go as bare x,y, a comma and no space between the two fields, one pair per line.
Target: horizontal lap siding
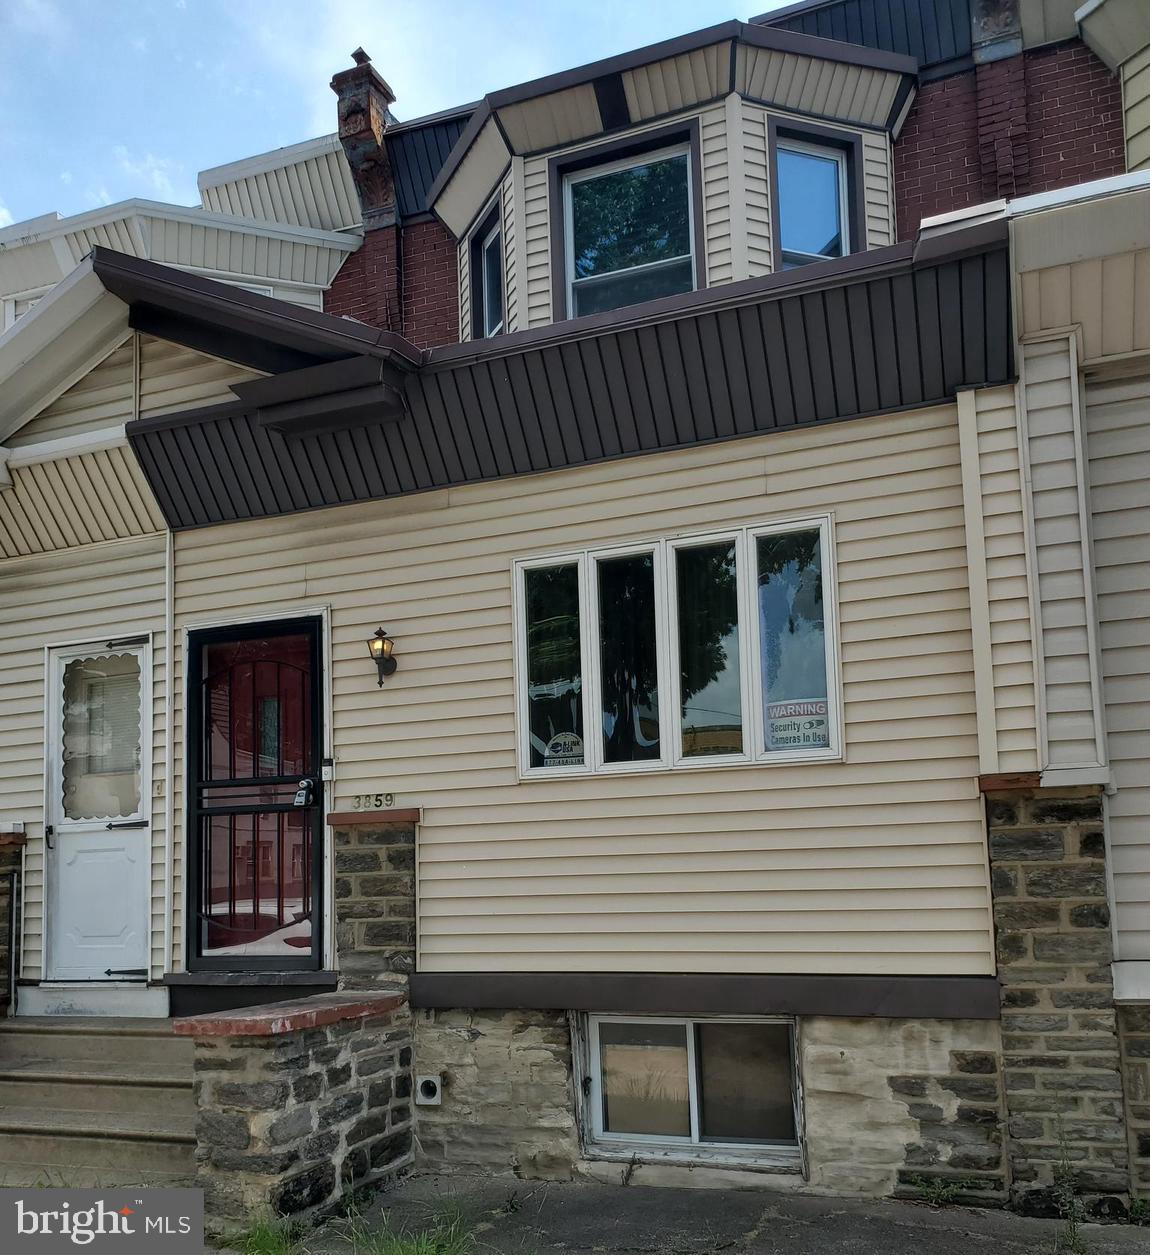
1004,528
821,867
103,398
757,183
1136,107
94,593
877,193
1118,441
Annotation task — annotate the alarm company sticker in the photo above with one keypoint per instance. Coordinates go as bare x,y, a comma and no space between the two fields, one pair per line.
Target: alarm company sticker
565,749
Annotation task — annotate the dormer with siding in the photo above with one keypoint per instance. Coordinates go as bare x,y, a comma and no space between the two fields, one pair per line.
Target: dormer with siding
762,150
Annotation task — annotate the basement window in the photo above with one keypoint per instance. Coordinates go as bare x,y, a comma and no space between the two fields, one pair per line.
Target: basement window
692,1088
689,652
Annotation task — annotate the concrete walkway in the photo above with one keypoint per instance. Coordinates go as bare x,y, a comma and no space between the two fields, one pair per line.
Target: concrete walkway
520,1218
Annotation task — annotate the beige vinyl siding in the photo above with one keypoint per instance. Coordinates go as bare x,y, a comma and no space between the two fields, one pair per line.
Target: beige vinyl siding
510,254
469,188
82,500
878,189
757,190
548,121
875,864
716,180
102,398
464,252
93,593
535,307
1062,560
824,89
1118,441
1011,627
175,378
1136,109
314,190
677,83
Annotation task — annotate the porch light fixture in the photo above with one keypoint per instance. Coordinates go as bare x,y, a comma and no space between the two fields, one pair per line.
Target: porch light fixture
381,647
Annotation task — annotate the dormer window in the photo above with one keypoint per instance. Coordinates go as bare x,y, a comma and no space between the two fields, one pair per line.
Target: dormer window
629,231
812,202
487,276
816,203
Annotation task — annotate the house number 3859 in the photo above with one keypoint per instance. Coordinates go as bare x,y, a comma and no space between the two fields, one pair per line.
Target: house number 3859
372,801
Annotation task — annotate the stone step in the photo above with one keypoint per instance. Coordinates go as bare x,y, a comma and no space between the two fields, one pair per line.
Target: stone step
59,1146
82,1039
96,1085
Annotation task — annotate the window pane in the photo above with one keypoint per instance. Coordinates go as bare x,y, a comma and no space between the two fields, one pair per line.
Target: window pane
645,1082
628,659
554,667
792,641
629,287
809,203
745,1083
709,695
492,286
631,217
101,737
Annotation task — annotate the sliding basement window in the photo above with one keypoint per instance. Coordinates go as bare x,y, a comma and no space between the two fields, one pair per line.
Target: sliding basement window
691,1088
695,651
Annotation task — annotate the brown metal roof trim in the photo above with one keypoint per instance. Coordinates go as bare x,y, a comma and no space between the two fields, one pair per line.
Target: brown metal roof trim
684,993
877,333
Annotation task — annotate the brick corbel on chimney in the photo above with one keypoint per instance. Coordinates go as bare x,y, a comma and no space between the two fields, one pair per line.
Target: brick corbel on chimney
364,115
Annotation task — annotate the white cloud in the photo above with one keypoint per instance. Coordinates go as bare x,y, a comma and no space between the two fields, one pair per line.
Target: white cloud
6,219
66,177
156,173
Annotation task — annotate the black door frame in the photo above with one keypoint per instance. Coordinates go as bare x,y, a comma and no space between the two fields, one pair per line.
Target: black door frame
311,626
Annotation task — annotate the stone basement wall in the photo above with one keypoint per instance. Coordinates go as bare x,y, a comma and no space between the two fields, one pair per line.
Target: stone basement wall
375,897
890,1105
299,1103
11,852
1059,1023
1134,1033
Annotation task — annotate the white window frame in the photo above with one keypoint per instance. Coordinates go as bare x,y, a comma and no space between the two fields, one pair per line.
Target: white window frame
755,751
495,235
828,152
601,1144
8,316
613,167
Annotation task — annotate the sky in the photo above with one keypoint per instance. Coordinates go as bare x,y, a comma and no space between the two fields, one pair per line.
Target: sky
102,100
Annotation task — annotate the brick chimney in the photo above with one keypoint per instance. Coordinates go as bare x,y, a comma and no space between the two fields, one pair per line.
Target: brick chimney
368,286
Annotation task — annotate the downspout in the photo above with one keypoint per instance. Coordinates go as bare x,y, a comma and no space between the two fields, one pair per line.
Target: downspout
169,747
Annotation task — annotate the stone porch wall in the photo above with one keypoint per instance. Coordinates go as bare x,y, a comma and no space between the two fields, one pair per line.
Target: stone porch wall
374,896
1059,1023
299,1103
1134,1033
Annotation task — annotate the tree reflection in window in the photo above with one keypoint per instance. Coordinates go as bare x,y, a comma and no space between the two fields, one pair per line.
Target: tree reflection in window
708,625
792,641
628,658
554,668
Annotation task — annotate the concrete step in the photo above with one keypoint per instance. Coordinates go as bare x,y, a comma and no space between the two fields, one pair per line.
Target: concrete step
121,1148
82,1039
96,1085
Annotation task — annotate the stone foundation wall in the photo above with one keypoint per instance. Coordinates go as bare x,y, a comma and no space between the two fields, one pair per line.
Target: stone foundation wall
295,1107
374,900
11,851
508,1102
1134,1034
1059,1022
897,1106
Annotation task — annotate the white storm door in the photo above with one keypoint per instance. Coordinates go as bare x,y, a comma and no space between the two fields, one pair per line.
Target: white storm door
99,832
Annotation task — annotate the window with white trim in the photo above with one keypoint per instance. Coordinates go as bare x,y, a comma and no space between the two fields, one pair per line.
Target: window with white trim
813,217
710,649
692,1088
629,231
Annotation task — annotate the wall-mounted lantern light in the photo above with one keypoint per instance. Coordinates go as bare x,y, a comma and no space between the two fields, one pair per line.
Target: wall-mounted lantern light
381,647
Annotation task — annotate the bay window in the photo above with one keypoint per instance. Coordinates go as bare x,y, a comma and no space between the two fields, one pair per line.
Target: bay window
692,1088
696,650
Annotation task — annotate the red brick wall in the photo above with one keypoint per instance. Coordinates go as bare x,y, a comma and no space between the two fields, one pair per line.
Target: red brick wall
1047,119
430,285
425,306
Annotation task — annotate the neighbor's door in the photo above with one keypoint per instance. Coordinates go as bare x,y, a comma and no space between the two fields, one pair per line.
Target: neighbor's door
255,819
98,832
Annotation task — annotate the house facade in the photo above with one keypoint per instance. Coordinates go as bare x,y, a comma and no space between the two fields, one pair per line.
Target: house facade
657,653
